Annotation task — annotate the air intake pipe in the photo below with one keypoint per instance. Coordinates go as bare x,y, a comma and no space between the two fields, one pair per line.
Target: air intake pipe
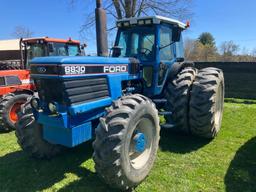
101,29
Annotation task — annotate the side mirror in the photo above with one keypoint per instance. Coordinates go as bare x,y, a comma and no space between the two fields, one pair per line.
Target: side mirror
176,34
83,46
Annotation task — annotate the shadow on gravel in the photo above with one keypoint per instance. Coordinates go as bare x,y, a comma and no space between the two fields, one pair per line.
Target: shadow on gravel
180,143
241,174
18,172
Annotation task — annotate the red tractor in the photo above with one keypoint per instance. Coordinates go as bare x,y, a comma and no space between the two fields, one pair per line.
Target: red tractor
15,85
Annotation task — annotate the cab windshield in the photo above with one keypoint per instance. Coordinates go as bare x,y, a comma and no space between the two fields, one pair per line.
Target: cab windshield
35,50
137,42
54,49
62,49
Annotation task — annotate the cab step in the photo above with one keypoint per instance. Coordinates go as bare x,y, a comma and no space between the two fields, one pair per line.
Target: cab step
164,113
167,126
160,101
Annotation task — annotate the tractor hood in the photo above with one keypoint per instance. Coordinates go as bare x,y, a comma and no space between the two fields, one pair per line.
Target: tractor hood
80,60
80,66
82,84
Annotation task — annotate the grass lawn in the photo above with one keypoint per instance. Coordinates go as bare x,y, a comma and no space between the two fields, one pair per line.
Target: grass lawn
184,163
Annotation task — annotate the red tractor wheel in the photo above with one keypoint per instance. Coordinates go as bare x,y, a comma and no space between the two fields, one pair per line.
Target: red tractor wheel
9,108
13,116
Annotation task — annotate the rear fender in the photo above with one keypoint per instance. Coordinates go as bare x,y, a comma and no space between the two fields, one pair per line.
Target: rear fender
174,70
177,67
24,91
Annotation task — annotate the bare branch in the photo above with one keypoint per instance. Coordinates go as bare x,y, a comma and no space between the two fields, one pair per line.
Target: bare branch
140,8
123,4
118,9
22,32
112,14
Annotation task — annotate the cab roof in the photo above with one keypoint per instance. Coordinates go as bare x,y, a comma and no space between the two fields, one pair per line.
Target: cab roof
47,39
155,20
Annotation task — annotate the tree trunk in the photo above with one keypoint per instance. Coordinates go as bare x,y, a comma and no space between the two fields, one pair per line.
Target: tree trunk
134,2
128,8
118,9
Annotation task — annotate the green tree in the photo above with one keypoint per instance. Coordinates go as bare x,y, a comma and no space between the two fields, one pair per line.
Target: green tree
207,39
196,51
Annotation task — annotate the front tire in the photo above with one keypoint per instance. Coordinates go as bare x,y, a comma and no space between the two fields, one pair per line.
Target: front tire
127,141
30,136
206,103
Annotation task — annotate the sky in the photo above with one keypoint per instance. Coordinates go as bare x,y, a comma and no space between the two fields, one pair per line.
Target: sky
225,19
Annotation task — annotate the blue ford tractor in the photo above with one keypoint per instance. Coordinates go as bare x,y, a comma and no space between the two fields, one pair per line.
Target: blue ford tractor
117,100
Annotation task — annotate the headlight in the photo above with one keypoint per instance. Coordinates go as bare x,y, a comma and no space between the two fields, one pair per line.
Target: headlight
141,22
35,103
148,21
119,24
127,24
52,107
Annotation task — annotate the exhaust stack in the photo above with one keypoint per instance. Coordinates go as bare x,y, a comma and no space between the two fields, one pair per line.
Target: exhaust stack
101,29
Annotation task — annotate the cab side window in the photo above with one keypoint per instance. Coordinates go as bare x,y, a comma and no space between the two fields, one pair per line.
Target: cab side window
147,47
166,49
12,80
123,41
2,81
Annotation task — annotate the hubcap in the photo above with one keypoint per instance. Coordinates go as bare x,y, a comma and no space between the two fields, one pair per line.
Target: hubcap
141,143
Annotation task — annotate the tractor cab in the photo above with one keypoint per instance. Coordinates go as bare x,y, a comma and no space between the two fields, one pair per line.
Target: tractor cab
41,47
156,42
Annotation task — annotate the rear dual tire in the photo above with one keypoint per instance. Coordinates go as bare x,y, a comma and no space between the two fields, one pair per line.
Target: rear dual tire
206,103
196,100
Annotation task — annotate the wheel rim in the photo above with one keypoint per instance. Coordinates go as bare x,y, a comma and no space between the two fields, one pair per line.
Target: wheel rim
141,143
13,112
219,106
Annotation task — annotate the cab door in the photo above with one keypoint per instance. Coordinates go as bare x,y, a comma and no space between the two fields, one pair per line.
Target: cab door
166,55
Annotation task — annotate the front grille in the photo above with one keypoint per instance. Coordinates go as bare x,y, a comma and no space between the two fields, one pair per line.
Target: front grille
71,92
